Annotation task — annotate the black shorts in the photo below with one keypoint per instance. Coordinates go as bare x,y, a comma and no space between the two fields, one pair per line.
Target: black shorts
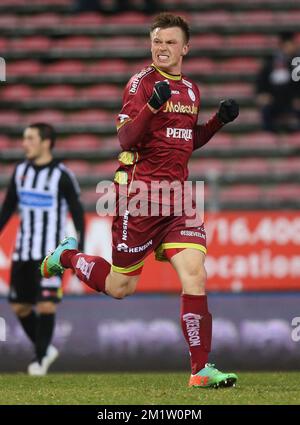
27,286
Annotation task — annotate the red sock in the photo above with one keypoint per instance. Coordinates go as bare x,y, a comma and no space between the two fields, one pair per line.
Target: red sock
196,323
90,269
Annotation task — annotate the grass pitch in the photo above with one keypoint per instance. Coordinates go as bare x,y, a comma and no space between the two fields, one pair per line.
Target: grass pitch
146,388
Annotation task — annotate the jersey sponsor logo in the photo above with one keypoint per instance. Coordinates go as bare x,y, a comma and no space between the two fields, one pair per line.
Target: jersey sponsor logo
192,95
137,78
125,226
34,199
175,92
122,247
85,267
180,133
125,248
192,322
180,108
192,233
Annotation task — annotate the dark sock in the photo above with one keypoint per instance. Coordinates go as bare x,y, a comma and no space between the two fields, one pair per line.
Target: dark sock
29,324
45,328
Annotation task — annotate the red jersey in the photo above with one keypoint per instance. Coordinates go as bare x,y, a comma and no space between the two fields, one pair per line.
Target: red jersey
167,142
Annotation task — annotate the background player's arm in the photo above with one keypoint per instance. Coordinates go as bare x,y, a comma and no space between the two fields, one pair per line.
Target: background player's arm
228,111
9,204
131,131
70,190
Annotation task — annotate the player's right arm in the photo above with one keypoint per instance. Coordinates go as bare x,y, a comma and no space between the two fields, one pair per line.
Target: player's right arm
138,109
9,204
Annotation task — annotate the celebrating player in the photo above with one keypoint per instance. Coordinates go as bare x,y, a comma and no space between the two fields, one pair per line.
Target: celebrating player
43,189
158,131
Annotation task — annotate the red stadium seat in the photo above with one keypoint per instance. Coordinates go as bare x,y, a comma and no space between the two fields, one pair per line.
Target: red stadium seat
250,41
59,92
113,66
65,67
110,143
80,168
199,167
220,141
258,140
90,117
235,90
106,168
257,166
127,18
241,193
84,19
239,65
216,17
210,41
117,43
200,65
41,21
282,192
9,117
286,166
16,92
23,67
8,21
74,43
36,43
5,142
292,139
79,142
46,115
101,92
260,17
3,44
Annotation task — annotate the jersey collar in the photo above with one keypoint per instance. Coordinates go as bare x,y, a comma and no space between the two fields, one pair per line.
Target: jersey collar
165,74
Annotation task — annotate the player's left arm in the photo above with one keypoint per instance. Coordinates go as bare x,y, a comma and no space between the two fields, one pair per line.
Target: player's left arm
228,111
71,192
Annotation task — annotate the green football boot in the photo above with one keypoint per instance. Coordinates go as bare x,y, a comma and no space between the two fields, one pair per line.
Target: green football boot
51,265
210,377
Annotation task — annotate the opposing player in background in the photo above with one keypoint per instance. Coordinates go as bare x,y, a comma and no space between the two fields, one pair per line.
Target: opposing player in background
43,189
158,131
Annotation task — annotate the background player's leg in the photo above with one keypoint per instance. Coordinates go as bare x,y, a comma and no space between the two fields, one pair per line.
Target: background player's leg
45,327
196,320
27,318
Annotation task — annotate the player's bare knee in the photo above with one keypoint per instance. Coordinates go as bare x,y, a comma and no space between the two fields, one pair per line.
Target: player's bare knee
21,310
46,307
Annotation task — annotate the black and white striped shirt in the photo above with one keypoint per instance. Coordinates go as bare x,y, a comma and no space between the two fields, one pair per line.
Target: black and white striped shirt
44,195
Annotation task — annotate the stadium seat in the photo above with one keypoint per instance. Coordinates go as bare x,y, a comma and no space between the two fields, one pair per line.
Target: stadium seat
36,44
65,67
257,140
46,115
254,167
57,92
94,116
210,41
200,167
282,192
16,92
240,65
74,43
201,65
9,117
241,193
24,67
127,18
286,166
79,142
5,143
83,19
250,41
101,92
44,20
113,66
8,21
80,168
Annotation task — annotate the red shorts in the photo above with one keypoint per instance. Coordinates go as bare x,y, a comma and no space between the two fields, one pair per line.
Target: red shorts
134,238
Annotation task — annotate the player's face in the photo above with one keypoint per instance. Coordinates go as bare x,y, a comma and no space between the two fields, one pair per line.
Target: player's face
32,144
168,46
